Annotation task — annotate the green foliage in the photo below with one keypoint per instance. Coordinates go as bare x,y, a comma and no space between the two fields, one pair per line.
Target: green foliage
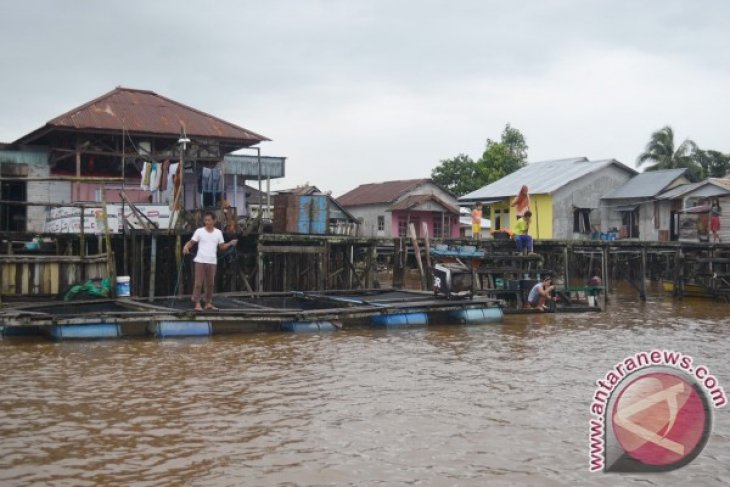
502,158
661,151
461,175
457,174
714,164
700,163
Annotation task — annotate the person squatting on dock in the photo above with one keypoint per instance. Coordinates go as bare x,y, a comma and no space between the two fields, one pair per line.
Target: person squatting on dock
209,240
540,293
522,227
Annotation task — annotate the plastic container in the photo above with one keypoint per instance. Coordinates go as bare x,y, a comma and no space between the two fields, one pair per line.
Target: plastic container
477,315
308,326
165,329
123,286
400,319
90,330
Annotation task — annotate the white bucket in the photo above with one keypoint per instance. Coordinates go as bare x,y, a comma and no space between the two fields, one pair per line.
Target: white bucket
123,285
592,301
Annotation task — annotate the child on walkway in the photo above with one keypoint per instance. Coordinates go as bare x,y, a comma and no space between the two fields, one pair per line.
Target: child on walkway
476,222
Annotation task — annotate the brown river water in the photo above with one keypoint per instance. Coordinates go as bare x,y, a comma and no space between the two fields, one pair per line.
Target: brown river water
500,404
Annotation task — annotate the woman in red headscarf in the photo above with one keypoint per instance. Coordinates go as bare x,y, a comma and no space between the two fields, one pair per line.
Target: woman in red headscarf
521,202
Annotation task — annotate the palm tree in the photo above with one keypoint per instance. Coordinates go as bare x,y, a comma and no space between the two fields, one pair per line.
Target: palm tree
661,151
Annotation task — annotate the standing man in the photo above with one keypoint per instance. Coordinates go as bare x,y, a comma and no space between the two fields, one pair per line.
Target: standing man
210,241
522,238
476,222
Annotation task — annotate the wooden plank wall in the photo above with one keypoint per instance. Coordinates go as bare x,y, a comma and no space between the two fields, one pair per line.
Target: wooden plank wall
47,275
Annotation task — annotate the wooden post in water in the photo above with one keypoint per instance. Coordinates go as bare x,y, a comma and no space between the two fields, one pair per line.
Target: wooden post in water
110,267
642,284
351,265
417,251
178,262
604,271
125,264
141,265
153,266
374,268
82,247
260,269
398,263
427,245
321,270
566,268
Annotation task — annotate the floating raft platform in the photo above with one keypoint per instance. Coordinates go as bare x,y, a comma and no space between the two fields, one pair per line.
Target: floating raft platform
244,312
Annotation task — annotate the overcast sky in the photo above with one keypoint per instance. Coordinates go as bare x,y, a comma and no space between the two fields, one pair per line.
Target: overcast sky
355,92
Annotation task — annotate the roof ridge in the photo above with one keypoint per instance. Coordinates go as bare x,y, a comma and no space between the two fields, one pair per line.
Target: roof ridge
209,115
83,106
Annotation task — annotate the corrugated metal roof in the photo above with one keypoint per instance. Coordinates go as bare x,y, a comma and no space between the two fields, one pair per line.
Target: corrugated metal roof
723,185
419,199
379,193
145,112
543,177
646,185
248,166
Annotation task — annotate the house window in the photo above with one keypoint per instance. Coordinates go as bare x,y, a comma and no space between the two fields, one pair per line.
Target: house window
582,220
402,227
438,229
381,223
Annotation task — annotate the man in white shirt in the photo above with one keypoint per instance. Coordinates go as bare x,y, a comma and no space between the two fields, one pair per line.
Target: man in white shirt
209,240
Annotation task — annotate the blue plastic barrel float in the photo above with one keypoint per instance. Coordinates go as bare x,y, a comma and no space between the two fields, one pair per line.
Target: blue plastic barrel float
89,330
474,316
165,329
400,319
308,326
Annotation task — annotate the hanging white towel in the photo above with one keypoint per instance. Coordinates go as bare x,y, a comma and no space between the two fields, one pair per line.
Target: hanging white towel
145,181
155,176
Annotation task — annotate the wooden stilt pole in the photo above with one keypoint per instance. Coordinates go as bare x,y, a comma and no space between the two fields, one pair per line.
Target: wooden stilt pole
153,266
604,270
417,251
642,283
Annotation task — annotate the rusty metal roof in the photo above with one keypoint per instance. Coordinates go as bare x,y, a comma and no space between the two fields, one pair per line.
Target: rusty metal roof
144,112
380,193
417,200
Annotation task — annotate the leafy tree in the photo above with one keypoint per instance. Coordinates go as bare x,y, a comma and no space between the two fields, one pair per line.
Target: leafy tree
502,158
462,175
662,152
714,164
456,174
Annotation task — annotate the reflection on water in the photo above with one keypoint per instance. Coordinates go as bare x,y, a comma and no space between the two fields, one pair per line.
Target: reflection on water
498,404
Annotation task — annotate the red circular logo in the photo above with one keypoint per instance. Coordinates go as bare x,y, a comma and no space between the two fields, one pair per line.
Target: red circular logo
660,419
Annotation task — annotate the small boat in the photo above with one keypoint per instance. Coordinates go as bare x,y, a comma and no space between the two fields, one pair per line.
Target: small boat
690,290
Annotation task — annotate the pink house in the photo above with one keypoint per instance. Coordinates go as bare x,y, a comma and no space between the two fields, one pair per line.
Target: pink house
386,209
